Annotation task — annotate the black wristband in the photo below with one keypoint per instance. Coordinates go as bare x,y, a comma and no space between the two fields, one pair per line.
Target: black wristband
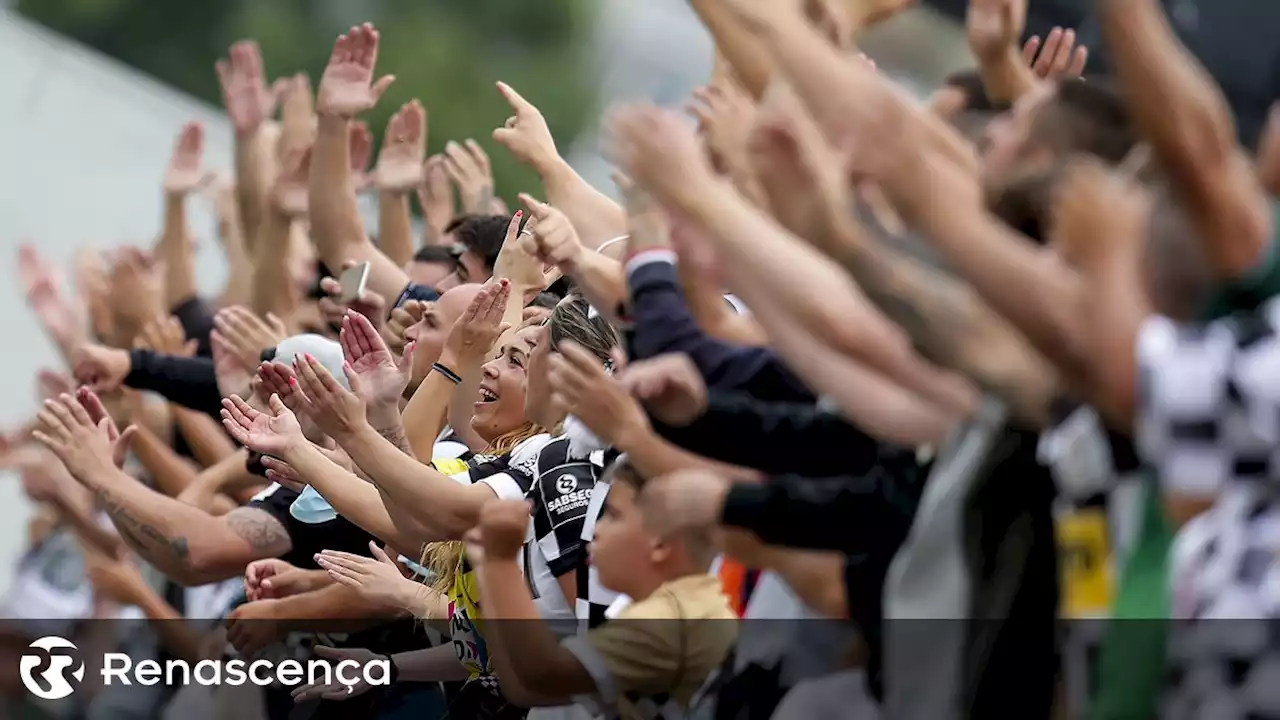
453,377
393,676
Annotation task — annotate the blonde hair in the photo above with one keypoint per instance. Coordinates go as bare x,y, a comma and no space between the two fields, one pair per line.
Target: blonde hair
444,558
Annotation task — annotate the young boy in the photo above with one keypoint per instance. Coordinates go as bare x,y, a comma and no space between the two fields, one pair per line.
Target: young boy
651,659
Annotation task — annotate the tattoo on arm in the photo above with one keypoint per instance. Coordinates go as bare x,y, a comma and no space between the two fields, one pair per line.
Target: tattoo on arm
395,435
148,540
263,532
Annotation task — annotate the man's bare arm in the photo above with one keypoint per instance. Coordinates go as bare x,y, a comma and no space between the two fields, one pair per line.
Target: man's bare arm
1184,116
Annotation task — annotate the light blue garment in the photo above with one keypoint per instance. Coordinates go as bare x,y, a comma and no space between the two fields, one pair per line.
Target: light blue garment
311,508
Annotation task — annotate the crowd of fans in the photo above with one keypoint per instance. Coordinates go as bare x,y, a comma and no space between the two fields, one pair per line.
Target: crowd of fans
848,404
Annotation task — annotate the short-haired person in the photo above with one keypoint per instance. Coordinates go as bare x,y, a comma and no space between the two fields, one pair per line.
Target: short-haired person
431,264
655,655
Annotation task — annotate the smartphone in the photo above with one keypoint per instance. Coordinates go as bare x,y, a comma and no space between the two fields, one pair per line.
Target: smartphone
353,281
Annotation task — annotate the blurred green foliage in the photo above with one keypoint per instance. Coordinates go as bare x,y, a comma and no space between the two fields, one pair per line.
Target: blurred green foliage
447,53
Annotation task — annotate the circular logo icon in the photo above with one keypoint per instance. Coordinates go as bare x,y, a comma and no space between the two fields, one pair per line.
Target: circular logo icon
55,685
566,484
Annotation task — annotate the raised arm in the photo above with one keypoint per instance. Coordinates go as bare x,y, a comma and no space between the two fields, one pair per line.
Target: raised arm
175,248
249,103
1185,118
346,90
187,544
525,134
398,173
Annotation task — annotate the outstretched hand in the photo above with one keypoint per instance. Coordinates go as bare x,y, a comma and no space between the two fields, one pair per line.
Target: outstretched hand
658,150
337,411
383,378
276,433
525,133
1055,60
479,327
347,87
400,167
82,435
186,172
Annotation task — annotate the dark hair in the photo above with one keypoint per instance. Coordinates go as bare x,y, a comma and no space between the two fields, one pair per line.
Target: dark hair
969,82
1026,203
571,319
1088,117
435,254
545,300
482,235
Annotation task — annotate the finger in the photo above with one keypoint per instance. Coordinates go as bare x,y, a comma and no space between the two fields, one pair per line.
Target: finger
1062,59
366,335
515,100
76,410
380,554
1078,62
332,653
234,429
59,417
307,378
343,576
537,208
581,358
353,563
92,403
1029,50
277,405
322,373
1050,50
477,154
236,411
381,86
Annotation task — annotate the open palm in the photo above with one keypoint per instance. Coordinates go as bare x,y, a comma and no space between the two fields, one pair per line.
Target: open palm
345,88
382,379
267,433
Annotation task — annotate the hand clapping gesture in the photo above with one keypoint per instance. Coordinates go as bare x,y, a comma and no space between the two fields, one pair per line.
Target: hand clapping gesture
474,333
381,377
276,433
378,579
347,87
81,434
400,167
334,409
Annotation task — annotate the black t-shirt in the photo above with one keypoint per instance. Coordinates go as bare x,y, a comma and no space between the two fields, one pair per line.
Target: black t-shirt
309,539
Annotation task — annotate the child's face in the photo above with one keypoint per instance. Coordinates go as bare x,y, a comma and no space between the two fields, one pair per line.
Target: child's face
622,547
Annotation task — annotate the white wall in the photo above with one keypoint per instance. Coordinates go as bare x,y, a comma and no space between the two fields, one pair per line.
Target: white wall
83,145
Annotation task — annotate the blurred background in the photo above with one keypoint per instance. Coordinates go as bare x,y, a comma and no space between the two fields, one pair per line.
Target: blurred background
93,92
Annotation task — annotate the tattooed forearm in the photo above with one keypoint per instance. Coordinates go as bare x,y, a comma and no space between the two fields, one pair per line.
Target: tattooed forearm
394,434
147,539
